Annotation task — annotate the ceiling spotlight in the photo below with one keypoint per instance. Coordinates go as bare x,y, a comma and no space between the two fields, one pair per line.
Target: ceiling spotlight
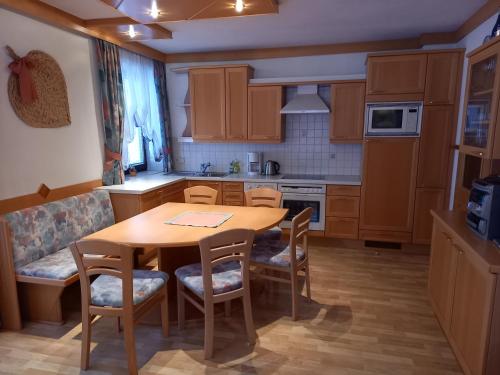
154,10
239,6
131,31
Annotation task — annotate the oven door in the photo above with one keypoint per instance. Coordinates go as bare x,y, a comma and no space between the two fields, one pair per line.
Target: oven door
296,203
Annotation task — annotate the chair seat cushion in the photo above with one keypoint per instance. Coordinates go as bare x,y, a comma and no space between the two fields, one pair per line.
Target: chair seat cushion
59,265
273,234
274,253
225,277
107,290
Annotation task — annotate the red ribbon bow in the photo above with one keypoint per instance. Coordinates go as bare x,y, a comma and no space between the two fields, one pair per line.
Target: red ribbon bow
22,67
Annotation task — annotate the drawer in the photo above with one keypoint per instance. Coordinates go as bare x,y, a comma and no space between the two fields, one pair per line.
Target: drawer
232,196
232,186
341,227
233,203
342,206
351,191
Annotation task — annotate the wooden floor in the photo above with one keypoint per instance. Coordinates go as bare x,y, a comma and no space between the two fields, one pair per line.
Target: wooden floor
369,315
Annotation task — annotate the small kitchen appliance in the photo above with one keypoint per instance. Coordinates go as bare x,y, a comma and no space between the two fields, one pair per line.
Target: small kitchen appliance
254,163
483,208
393,119
271,168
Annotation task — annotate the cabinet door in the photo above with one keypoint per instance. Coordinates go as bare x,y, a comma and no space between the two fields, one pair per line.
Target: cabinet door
442,274
236,103
341,227
483,84
342,206
425,201
264,117
389,179
435,147
403,74
441,81
208,112
348,109
471,316
151,200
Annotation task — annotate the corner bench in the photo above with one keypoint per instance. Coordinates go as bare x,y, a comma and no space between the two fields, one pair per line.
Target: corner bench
35,250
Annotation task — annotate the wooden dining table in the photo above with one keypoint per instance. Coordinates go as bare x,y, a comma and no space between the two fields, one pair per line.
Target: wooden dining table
177,245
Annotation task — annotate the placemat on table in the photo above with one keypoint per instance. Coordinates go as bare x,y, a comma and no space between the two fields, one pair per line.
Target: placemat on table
200,219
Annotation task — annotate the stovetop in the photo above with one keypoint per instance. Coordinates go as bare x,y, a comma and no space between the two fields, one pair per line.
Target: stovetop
303,177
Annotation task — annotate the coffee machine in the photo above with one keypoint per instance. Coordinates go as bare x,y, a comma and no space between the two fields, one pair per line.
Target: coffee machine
254,163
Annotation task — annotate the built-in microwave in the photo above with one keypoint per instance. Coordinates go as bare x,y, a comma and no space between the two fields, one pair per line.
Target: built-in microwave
393,119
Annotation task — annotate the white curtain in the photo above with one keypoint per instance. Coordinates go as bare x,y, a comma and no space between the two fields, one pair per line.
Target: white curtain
141,102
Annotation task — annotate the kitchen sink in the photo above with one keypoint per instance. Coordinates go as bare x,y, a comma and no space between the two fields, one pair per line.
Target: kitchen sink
198,174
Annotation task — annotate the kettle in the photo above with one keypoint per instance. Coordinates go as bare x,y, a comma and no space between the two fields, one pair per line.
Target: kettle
271,168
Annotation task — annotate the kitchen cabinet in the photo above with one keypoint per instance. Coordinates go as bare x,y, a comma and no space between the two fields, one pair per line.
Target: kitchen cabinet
396,75
388,191
236,103
265,122
211,184
232,194
425,201
480,136
348,109
342,211
208,104
464,290
442,77
435,147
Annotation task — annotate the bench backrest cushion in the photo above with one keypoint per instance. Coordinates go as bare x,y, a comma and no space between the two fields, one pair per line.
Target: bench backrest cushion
42,230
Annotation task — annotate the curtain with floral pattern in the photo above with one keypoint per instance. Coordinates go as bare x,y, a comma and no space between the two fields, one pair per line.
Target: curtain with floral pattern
112,103
161,89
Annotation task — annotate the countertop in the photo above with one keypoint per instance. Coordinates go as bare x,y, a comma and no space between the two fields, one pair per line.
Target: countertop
454,221
145,182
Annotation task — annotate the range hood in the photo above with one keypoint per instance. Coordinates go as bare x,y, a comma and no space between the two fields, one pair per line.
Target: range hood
307,100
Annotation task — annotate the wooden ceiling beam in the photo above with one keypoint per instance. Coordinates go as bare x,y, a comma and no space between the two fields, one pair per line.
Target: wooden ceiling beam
110,22
56,17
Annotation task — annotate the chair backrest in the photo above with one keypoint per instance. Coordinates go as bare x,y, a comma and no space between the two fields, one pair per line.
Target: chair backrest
200,195
97,257
38,231
221,248
263,197
299,233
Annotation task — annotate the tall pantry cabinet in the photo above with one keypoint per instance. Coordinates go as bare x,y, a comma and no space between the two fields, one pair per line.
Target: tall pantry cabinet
407,177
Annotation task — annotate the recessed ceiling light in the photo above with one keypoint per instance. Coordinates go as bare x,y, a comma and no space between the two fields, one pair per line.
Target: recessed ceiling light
131,31
154,10
239,6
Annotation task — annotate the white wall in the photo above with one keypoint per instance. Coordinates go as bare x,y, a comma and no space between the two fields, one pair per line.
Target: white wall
56,157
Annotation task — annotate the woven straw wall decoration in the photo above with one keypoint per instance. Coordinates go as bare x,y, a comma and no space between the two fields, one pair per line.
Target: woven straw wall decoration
37,90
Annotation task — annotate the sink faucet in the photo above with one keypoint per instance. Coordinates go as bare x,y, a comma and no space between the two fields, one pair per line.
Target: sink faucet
204,167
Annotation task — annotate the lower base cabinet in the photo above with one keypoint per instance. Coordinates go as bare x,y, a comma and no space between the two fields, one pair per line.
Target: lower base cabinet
425,201
465,294
342,212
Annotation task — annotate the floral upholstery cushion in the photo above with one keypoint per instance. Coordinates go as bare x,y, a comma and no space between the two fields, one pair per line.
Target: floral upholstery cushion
59,265
107,290
43,230
273,234
274,253
225,277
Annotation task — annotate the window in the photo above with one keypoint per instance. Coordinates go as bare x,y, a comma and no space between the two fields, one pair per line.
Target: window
142,141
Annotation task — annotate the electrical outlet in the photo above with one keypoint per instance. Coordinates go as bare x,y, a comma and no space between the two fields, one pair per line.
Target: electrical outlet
333,155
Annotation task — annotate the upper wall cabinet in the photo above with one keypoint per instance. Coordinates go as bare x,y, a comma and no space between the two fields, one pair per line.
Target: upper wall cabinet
219,103
481,135
265,122
442,77
348,108
402,75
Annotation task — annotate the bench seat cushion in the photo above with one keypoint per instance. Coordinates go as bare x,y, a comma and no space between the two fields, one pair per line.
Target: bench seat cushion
274,253
107,290
59,266
226,277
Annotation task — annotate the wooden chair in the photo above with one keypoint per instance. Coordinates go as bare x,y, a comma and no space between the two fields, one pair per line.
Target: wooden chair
265,197
289,259
200,195
118,291
222,276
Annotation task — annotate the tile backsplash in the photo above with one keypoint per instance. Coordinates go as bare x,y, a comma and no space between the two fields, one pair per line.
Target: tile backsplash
306,150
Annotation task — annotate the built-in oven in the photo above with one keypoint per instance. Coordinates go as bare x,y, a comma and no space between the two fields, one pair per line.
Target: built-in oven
297,197
393,119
